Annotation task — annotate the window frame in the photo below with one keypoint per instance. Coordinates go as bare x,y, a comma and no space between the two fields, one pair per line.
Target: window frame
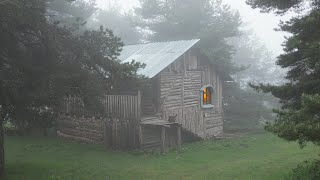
213,92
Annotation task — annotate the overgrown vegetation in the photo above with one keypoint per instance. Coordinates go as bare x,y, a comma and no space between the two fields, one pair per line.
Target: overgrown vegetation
309,170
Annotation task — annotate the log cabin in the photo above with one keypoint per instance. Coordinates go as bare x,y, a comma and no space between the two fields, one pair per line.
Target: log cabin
182,101
186,91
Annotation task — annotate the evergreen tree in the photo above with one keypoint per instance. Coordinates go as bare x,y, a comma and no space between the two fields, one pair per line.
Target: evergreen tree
41,61
299,118
68,12
210,20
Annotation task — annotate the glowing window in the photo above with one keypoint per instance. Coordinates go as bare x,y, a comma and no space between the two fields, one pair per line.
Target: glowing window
207,93
207,96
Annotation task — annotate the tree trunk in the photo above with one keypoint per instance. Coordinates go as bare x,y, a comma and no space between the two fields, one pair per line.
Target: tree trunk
2,175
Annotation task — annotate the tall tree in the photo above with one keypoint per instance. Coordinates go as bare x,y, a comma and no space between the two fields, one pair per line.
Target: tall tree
299,119
41,61
68,12
210,20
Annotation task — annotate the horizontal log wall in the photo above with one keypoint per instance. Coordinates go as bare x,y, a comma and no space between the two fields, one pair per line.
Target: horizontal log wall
82,129
213,124
152,138
118,132
180,95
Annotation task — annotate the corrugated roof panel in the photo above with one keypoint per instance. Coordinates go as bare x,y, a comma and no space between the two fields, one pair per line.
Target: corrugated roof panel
156,56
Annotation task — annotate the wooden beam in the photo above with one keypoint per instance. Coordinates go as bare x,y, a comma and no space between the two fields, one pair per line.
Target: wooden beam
183,79
140,135
139,108
105,135
179,137
163,139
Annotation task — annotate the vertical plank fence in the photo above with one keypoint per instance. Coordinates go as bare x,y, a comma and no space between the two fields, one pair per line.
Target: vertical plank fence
120,127
124,106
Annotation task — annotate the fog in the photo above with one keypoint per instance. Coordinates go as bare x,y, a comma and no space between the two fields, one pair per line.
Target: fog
263,24
159,89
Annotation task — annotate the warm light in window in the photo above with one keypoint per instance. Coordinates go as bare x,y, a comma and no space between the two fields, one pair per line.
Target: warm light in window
207,96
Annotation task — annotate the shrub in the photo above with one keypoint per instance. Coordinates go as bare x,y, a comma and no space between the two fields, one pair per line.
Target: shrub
309,170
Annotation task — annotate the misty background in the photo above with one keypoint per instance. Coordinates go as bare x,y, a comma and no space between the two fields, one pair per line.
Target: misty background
247,49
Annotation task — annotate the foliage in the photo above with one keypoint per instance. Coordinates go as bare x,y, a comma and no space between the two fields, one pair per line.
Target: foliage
302,125
260,156
209,20
68,12
42,60
298,120
47,61
280,6
309,170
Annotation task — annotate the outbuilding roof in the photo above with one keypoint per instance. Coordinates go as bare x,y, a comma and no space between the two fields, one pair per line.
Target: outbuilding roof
156,56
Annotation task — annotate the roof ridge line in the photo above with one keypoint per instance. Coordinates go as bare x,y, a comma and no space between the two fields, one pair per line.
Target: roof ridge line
161,42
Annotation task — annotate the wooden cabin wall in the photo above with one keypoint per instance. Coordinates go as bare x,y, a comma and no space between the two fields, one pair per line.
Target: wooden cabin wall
180,95
152,140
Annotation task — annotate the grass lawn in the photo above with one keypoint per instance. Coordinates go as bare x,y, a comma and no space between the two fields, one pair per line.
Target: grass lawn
262,156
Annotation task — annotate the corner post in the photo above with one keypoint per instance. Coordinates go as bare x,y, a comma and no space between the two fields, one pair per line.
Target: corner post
140,135
163,139
179,137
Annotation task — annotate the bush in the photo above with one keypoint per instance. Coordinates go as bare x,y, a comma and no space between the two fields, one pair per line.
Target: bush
10,129
306,171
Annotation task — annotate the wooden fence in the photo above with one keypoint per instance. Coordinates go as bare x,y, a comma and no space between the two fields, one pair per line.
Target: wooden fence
118,130
116,106
121,134
123,106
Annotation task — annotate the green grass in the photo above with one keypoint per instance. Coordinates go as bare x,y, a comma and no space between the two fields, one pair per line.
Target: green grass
262,156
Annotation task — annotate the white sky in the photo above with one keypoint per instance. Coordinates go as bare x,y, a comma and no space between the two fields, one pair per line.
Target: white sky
262,24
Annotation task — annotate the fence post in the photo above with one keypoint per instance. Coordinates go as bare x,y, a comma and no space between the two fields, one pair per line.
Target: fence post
105,135
163,139
140,135
139,107
179,137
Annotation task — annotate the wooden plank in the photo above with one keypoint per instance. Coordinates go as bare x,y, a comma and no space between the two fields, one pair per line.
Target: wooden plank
140,135
139,106
163,139
179,137
105,135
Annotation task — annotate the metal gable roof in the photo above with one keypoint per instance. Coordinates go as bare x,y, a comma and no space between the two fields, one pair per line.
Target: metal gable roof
156,56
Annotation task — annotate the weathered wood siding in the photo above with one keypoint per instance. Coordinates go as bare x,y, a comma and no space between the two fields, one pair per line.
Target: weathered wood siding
84,129
123,106
213,123
117,130
120,106
154,140
121,134
180,95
